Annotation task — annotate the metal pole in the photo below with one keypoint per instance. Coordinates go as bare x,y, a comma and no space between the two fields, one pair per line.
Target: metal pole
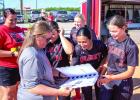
36,4
89,4
21,6
125,11
3,5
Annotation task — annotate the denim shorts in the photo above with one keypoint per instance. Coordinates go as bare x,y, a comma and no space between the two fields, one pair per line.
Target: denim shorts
8,76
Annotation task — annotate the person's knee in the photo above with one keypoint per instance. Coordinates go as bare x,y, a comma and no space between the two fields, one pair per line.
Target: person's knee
9,92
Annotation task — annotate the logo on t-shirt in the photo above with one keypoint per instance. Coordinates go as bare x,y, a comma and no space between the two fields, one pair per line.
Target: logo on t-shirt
90,57
18,37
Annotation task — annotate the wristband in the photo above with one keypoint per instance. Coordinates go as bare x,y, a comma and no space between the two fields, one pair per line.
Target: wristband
13,54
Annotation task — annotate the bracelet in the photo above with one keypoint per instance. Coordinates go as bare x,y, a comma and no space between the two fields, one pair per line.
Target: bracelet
13,54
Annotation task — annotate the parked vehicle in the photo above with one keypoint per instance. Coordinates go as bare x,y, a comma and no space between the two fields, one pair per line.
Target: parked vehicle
34,15
1,19
134,26
20,19
71,15
61,16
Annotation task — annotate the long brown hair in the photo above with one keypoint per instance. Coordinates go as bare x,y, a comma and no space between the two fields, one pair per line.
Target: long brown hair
40,27
118,21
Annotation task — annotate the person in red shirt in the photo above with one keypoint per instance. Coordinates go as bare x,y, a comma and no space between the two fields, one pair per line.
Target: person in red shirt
50,16
11,38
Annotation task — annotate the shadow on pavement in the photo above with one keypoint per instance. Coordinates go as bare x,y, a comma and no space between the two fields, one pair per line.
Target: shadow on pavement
136,82
136,96
136,92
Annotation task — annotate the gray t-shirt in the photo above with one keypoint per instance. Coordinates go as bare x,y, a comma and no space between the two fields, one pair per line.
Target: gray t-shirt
34,69
121,55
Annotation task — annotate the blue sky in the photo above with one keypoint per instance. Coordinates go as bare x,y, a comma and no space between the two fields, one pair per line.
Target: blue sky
42,3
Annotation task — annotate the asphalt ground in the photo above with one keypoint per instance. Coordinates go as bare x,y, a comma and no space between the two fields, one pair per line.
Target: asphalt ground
135,35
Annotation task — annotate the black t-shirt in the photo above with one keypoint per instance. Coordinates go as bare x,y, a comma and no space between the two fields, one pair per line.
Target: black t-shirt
121,55
56,54
93,56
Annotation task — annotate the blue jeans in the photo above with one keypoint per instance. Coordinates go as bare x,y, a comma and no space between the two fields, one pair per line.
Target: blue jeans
123,91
